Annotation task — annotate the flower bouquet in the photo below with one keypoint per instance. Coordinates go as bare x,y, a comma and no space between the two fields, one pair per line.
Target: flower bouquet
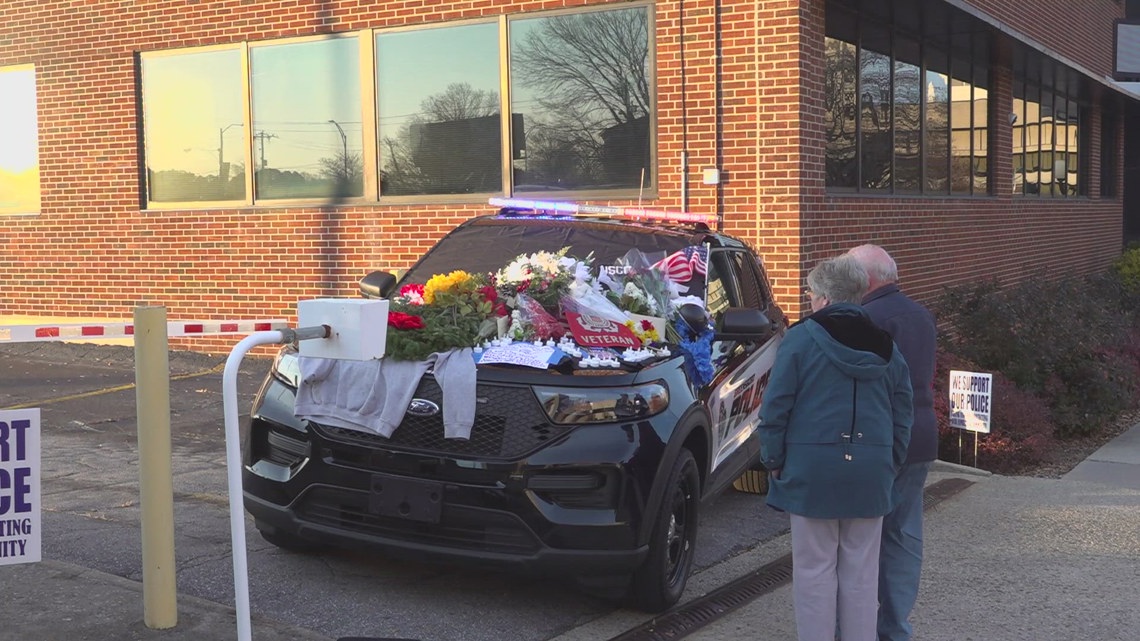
543,276
645,293
450,311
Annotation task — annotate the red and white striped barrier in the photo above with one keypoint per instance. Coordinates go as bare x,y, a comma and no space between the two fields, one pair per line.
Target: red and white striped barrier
64,332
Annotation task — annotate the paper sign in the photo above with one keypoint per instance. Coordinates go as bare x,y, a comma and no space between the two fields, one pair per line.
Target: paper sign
596,331
20,532
525,354
970,396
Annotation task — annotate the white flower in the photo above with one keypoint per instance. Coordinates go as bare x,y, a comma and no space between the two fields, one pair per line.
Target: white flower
634,292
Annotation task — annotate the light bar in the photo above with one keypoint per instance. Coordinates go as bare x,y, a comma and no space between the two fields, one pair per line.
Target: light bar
631,213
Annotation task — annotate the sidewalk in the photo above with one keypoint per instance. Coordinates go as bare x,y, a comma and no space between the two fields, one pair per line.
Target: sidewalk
1013,559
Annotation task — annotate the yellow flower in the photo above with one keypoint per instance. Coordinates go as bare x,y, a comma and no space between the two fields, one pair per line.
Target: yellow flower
441,283
645,332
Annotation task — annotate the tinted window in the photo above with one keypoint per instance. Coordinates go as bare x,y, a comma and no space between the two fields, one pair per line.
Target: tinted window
310,147
439,119
192,119
580,83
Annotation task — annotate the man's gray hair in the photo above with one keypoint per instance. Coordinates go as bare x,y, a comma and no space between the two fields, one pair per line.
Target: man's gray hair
839,280
878,263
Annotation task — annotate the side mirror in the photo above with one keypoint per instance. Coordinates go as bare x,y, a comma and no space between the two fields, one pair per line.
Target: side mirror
377,284
744,324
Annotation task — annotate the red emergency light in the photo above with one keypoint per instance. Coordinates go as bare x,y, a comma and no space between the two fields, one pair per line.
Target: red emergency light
629,213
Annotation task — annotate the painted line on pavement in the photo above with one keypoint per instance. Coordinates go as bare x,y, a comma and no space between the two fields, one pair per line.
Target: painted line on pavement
110,390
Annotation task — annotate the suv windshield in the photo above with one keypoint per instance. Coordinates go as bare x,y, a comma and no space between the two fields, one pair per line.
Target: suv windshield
487,244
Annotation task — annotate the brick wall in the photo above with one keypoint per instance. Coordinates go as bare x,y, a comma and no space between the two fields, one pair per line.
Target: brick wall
749,104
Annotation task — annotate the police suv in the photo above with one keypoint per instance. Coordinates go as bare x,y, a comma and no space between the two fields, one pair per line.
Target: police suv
609,496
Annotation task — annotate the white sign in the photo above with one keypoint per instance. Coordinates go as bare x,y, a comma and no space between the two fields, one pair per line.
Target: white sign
525,354
20,533
970,396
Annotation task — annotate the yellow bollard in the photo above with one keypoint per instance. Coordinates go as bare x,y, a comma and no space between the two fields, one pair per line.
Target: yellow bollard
156,484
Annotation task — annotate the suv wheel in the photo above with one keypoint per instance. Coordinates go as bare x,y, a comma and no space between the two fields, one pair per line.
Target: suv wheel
658,583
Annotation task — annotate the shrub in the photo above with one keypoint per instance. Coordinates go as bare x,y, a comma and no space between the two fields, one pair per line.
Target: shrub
1127,266
1060,339
1021,430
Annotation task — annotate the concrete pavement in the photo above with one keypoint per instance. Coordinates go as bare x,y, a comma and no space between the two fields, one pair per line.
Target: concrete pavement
1007,559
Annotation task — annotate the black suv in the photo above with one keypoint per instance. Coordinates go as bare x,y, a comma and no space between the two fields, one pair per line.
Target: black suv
609,498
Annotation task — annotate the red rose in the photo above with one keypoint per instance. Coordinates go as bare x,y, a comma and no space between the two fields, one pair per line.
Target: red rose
400,320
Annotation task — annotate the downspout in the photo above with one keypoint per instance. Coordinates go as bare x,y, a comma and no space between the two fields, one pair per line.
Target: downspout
684,111
718,130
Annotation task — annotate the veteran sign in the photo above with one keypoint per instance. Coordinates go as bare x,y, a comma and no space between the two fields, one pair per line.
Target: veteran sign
20,532
970,400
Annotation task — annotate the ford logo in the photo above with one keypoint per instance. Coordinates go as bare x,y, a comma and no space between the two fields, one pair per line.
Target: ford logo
422,407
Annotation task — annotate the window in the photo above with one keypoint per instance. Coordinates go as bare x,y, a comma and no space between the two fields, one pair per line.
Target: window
192,121
413,114
439,123
580,83
19,142
1050,107
906,101
308,148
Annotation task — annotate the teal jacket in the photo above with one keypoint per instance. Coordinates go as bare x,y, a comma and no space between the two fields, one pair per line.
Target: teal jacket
835,418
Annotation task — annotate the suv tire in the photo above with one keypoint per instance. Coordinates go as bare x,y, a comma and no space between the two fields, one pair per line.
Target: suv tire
659,582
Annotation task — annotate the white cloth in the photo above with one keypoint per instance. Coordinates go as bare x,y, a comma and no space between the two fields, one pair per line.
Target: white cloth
835,569
373,395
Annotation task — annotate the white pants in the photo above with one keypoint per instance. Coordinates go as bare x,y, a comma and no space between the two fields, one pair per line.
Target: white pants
835,570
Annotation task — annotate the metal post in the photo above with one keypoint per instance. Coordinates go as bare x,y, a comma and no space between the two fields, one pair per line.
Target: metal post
152,400
234,464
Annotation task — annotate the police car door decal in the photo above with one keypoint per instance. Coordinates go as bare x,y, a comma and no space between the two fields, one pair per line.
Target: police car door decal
735,403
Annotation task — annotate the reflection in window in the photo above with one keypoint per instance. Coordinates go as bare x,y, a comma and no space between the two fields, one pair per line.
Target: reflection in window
922,111
580,85
310,147
839,118
439,123
1049,101
192,118
19,142
875,109
907,117
979,166
937,127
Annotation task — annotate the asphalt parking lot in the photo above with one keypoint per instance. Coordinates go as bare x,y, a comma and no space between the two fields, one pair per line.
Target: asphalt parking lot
91,517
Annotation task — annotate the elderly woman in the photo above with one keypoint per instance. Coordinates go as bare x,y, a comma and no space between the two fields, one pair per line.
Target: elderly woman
834,427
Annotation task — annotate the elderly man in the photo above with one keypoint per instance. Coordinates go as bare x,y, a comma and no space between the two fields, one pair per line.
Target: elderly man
912,327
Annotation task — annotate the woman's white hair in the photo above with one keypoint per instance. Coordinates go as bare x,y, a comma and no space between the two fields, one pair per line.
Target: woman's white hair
840,280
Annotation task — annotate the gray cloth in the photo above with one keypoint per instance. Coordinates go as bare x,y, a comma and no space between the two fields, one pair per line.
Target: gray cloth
455,373
373,395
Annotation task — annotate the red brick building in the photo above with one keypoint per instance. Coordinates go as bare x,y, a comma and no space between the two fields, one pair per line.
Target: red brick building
227,158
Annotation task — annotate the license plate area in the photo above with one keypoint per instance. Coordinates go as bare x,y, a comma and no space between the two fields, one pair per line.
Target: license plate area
404,498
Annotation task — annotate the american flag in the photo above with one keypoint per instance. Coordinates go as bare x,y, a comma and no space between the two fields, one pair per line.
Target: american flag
682,265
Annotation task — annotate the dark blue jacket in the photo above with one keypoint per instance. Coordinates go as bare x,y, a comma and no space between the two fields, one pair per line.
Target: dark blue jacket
912,327
835,418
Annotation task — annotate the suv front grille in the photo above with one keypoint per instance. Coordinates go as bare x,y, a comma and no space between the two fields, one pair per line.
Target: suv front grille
459,526
509,423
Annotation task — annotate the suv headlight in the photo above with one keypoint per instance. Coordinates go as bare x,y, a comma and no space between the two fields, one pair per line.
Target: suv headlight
575,405
287,367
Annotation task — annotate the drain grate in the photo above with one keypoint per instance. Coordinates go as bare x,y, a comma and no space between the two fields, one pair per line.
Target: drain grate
696,614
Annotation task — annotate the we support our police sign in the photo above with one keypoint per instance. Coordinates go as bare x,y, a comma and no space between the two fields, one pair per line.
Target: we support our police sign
20,533
970,395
